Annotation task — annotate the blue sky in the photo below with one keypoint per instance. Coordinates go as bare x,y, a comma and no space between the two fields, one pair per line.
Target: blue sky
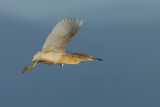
123,33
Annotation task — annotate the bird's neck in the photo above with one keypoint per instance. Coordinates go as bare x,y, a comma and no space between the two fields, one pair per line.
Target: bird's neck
68,59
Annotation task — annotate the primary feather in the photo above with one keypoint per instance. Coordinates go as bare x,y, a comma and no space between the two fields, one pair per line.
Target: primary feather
61,35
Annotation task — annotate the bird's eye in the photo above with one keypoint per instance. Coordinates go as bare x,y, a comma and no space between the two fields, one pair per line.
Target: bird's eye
91,57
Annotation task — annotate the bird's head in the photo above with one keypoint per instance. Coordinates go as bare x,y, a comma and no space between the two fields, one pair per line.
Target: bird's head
91,58
87,57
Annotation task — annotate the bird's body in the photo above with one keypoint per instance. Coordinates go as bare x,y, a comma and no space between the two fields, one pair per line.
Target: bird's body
55,58
47,58
53,51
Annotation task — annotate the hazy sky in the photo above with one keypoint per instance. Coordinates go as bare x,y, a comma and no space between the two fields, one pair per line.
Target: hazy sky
125,33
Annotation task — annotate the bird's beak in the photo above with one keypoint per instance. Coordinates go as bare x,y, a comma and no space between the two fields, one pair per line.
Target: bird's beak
98,59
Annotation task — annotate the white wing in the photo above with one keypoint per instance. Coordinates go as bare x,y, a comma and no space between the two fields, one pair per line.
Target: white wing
61,35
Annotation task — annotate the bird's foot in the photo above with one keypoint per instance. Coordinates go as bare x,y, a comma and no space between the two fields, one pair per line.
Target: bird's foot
27,68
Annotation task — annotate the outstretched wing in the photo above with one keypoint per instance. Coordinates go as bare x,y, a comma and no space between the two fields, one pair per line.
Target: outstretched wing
61,35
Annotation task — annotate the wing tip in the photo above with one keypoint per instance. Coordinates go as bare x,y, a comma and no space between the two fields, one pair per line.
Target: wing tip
73,19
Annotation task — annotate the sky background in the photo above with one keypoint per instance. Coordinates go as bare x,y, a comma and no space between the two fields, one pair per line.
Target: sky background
125,33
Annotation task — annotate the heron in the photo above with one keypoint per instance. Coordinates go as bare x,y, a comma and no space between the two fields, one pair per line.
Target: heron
53,50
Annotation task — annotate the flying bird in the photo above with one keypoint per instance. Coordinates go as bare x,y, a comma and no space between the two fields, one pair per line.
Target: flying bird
53,50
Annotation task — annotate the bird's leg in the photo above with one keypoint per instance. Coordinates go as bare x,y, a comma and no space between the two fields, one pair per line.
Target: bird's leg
28,68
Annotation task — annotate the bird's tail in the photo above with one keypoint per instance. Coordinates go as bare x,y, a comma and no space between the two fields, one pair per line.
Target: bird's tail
36,56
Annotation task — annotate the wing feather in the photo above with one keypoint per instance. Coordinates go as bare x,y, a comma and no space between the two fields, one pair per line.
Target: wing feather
61,35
